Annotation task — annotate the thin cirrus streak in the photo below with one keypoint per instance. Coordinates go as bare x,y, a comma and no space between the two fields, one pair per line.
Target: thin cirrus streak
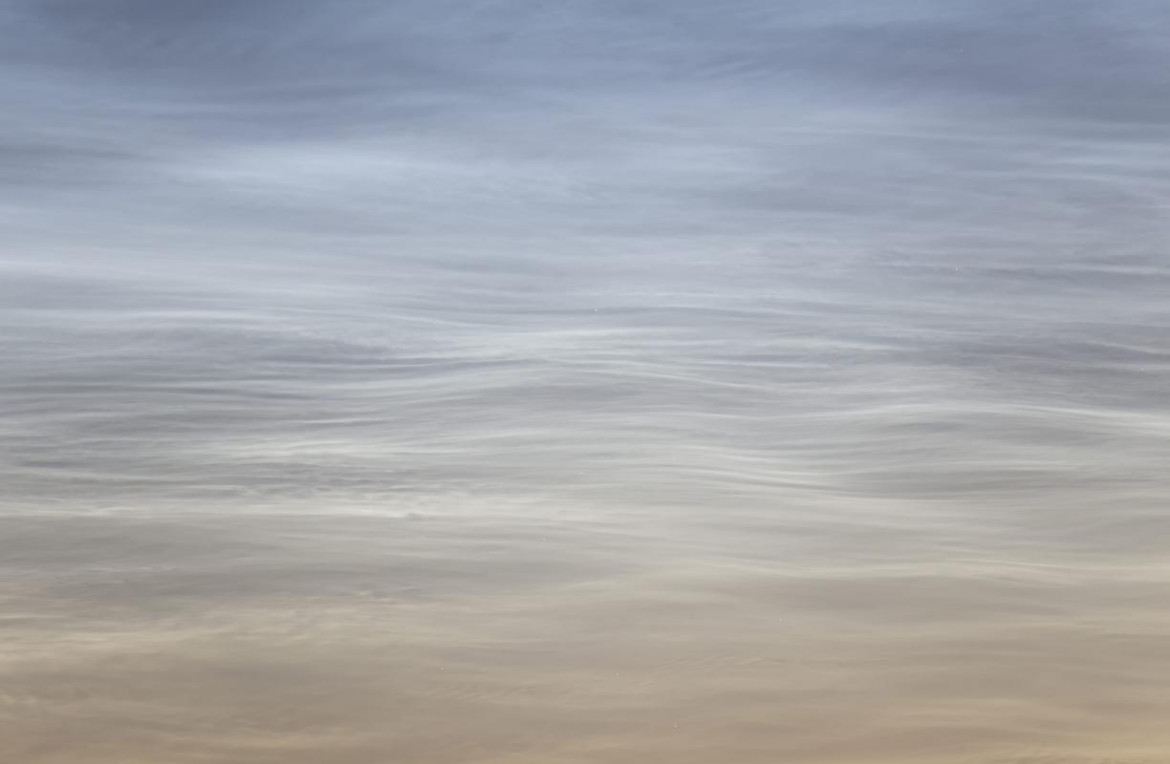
583,382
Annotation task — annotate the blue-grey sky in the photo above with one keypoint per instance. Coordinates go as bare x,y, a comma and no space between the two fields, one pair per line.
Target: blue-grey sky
393,117
221,216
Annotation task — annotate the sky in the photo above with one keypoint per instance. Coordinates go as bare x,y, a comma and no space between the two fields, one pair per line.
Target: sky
584,380
274,199
400,118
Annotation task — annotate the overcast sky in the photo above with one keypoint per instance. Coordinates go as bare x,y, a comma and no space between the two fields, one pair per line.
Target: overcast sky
219,216
611,116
